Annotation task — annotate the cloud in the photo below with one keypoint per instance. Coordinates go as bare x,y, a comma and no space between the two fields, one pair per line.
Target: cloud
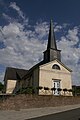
24,43
2,76
73,35
41,30
19,42
8,18
20,48
58,28
69,44
17,8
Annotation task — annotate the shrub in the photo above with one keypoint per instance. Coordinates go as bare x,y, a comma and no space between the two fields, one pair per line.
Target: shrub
27,90
70,90
39,88
65,90
46,88
53,89
59,89
1,86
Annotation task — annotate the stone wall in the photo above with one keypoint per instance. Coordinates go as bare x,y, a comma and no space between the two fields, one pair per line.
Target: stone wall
33,101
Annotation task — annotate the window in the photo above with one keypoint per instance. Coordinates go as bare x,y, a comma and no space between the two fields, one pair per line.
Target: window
55,66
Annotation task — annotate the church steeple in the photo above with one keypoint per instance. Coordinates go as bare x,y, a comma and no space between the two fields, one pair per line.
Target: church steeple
52,52
51,38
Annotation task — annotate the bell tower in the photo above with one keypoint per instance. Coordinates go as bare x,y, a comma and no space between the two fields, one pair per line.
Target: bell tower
52,52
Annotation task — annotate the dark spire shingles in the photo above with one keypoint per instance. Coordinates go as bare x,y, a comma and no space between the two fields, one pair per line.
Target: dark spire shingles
51,38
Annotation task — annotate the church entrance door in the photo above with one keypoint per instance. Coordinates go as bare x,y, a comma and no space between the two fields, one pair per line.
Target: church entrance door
56,86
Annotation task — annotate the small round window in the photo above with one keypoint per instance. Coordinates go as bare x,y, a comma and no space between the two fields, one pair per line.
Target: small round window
55,66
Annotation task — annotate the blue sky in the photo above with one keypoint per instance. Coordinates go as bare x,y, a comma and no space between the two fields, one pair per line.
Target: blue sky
24,26
60,10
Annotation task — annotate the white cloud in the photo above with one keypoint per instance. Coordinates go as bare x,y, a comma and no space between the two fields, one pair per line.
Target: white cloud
58,28
15,7
2,76
6,16
11,30
73,35
24,45
71,53
42,29
20,46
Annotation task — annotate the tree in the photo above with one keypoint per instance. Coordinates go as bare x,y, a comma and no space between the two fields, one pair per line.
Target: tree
1,86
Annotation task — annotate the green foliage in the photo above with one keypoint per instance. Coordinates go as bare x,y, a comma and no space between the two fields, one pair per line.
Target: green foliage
53,89
70,90
76,91
65,89
59,89
39,88
27,90
31,90
46,88
1,86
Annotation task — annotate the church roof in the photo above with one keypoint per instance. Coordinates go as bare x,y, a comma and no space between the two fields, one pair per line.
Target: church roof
15,73
51,38
32,69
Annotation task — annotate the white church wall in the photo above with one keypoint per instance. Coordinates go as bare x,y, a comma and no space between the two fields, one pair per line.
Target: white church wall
11,84
47,75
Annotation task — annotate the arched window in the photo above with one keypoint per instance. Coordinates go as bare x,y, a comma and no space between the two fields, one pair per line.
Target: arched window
55,66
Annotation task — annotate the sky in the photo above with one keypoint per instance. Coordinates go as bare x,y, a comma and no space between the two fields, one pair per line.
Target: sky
24,28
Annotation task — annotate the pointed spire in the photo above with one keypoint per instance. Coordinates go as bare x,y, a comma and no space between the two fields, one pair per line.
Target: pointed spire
51,38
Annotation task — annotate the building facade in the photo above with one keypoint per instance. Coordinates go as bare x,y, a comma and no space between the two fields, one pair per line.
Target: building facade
49,73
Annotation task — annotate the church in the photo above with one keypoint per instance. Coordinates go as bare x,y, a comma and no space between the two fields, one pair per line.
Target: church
49,73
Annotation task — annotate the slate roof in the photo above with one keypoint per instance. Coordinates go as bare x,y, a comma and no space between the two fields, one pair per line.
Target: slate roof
14,73
51,38
32,69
